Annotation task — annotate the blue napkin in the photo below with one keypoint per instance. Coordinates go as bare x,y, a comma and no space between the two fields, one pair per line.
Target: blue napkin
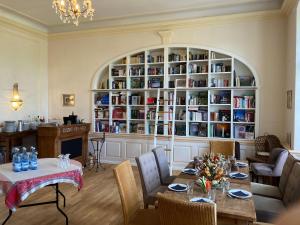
190,171
239,175
239,194
201,200
178,188
241,164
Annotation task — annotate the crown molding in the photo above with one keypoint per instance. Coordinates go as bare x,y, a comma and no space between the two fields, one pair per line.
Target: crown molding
172,25
288,6
16,19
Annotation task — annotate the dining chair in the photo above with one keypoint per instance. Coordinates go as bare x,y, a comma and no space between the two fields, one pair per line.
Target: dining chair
132,213
268,209
226,148
149,178
163,166
177,212
276,191
270,172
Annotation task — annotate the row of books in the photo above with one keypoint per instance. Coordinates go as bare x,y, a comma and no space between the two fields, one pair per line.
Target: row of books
200,99
118,72
137,82
197,83
180,100
222,115
102,113
200,56
101,126
155,83
136,100
244,132
200,115
118,84
173,57
220,67
118,127
155,71
138,128
243,116
198,68
118,99
137,114
140,58
222,98
155,59
244,102
198,129
119,113
220,130
219,82
178,69
137,71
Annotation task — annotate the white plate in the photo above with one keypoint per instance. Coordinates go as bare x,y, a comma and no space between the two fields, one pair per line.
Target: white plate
235,175
183,187
201,200
241,164
189,171
247,194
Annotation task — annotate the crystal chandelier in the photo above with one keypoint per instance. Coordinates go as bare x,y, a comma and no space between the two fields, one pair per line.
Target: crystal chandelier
70,10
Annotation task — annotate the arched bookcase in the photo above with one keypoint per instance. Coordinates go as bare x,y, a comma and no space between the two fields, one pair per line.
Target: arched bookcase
218,99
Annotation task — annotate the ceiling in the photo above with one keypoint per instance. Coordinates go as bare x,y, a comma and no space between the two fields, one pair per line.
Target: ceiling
121,12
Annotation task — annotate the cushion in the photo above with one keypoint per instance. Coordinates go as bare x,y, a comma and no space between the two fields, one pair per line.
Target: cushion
146,217
262,169
267,209
266,190
286,172
292,193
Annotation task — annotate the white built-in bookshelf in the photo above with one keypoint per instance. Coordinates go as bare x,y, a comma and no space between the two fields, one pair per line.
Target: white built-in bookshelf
216,98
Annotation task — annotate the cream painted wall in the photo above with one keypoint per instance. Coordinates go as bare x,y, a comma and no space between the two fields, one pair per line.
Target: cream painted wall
290,71
259,40
23,59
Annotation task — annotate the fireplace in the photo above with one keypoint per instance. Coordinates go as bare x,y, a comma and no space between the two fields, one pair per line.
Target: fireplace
72,147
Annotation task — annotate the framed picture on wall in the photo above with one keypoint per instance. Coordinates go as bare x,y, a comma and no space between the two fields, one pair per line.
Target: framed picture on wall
289,103
68,99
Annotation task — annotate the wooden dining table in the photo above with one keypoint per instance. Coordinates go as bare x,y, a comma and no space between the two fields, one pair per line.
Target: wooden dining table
229,210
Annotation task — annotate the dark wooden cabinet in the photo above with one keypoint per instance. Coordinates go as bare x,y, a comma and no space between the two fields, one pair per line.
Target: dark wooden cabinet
56,140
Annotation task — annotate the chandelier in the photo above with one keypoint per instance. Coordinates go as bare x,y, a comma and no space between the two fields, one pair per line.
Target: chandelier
70,10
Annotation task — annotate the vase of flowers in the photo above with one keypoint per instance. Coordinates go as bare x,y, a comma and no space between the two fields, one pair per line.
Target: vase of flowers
211,170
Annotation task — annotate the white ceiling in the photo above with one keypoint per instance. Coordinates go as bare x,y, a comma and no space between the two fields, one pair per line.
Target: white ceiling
119,12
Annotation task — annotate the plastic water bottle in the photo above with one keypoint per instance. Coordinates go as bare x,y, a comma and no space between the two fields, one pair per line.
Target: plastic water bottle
33,164
24,160
16,160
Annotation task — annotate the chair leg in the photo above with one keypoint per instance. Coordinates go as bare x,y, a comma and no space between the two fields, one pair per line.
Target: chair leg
146,206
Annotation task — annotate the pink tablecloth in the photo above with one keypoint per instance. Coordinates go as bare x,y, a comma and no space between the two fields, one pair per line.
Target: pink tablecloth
18,186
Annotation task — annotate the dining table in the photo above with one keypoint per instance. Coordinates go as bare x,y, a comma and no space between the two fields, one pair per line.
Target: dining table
230,210
18,186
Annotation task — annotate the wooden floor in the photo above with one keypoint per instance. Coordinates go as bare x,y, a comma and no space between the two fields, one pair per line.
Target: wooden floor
98,203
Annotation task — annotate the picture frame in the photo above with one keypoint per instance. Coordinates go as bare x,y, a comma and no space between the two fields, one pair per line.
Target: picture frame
289,102
68,99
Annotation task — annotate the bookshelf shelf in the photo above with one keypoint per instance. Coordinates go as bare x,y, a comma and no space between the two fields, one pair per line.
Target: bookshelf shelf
218,95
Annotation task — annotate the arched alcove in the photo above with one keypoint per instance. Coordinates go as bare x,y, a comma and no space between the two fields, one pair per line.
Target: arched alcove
217,97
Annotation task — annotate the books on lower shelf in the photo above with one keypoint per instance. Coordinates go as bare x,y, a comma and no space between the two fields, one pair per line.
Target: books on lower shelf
197,83
119,113
198,129
244,132
118,127
101,126
199,99
137,114
118,99
240,115
198,114
244,102
223,115
138,128
136,100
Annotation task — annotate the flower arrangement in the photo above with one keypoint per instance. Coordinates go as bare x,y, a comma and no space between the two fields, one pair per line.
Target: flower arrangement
211,171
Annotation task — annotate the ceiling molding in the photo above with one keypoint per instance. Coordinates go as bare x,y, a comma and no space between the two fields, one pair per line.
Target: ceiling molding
288,6
172,25
21,20
222,9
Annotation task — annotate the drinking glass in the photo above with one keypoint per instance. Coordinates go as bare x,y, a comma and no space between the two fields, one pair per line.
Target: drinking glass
212,194
226,186
190,190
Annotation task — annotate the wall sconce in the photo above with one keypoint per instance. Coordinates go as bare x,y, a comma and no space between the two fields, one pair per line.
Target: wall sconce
16,102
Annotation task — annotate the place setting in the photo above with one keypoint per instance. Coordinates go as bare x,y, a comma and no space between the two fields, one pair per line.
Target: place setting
239,194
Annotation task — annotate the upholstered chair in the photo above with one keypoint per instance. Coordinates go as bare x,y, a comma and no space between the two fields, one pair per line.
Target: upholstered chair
149,178
270,170
178,212
226,148
163,166
132,213
276,191
268,209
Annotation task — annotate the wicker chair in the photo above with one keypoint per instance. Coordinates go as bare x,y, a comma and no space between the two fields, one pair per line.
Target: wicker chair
227,148
177,212
133,214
